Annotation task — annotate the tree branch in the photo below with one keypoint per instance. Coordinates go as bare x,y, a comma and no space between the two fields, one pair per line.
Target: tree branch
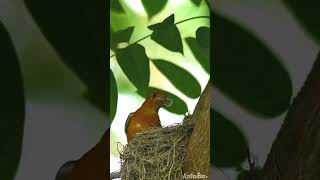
199,144
295,154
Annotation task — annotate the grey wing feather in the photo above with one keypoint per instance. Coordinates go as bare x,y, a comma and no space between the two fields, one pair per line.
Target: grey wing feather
127,122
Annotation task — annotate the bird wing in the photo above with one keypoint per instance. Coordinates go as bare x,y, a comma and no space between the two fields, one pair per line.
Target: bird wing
127,122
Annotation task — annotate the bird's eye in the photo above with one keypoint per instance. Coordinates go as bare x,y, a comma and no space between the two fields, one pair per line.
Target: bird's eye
154,95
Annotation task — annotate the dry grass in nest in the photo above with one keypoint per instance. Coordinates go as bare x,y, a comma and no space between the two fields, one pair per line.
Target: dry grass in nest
156,154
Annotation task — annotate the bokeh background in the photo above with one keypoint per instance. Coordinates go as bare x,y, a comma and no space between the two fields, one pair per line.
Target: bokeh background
60,124
277,26
128,99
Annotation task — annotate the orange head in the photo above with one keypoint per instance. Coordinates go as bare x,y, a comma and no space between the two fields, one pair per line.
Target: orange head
157,100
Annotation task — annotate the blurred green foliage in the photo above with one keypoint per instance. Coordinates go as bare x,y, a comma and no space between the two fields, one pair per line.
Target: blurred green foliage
247,71
12,108
307,12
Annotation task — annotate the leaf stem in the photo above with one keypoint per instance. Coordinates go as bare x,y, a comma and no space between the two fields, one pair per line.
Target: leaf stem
177,23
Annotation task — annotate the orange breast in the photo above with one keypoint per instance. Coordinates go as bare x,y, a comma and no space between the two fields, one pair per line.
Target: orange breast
140,122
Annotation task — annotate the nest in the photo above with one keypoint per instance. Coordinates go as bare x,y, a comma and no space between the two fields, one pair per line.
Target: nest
158,153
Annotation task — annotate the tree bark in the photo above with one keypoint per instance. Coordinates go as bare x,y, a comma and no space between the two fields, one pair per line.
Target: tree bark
198,159
295,154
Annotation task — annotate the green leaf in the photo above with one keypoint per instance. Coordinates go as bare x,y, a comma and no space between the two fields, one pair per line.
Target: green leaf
167,35
180,78
178,106
135,64
199,53
78,32
96,101
228,144
113,96
12,108
153,7
203,38
197,2
307,14
247,71
120,36
116,6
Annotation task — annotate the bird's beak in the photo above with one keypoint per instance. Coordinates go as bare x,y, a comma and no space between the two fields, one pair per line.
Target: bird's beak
167,102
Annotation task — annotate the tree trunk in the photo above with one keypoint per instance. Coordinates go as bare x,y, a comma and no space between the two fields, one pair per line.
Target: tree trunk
295,154
199,144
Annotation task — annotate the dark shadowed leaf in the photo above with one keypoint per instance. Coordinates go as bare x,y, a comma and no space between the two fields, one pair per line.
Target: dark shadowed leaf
167,35
199,53
308,15
247,71
113,96
197,2
153,7
178,106
116,6
180,78
135,64
96,101
12,108
120,36
228,144
203,38
78,31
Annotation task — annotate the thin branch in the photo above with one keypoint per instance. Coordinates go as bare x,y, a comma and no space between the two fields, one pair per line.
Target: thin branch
177,23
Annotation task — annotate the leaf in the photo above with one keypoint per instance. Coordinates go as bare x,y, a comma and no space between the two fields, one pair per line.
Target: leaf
120,36
135,64
167,35
197,2
199,53
153,7
78,32
178,106
113,96
116,6
307,14
229,146
12,108
203,38
247,71
96,101
180,78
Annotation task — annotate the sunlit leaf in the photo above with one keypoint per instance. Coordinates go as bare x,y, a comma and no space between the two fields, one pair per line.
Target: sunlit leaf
307,12
135,64
116,6
153,7
199,53
247,71
180,78
78,32
178,106
113,96
12,108
120,36
167,35
228,144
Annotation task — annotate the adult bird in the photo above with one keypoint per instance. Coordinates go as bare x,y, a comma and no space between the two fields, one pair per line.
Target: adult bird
146,116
